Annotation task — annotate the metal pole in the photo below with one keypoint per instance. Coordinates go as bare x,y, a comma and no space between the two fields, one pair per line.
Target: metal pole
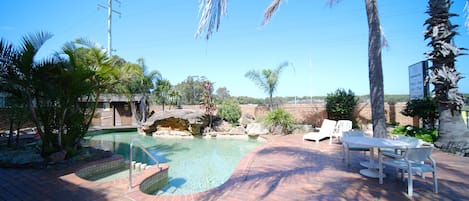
109,20
109,23
130,166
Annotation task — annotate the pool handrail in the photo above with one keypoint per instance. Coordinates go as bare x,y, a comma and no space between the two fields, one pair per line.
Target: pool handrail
137,142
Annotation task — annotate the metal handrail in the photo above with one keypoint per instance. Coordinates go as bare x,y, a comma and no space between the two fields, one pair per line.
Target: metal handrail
139,144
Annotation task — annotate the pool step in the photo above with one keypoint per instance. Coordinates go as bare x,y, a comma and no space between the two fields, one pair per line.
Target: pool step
140,166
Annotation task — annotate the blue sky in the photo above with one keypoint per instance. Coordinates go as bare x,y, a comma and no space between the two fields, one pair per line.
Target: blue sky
327,47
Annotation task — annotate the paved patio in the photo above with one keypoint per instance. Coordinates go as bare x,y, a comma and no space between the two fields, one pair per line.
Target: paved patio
285,168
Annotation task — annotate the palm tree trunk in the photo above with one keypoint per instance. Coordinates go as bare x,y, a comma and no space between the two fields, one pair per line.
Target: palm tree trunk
453,134
271,102
375,70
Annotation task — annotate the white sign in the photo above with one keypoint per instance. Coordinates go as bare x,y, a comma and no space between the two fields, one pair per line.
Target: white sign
417,80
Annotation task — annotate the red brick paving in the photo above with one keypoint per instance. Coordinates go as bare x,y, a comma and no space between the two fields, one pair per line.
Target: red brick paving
284,168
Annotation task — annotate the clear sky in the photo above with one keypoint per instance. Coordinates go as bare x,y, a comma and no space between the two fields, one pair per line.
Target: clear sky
327,47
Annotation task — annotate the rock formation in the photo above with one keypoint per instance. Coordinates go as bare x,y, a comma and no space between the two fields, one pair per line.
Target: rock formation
191,121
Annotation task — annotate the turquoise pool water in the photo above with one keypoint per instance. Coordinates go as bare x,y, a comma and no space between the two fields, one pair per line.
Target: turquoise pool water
195,164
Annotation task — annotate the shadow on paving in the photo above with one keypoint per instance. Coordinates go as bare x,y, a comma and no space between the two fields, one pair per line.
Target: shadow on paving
302,173
43,184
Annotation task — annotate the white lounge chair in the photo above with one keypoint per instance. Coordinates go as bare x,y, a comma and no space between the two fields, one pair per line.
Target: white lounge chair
326,130
341,126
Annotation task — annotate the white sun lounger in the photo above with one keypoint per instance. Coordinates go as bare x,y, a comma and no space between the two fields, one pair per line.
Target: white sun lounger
325,131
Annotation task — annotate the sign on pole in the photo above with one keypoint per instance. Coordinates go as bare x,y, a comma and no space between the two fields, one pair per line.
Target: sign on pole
417,75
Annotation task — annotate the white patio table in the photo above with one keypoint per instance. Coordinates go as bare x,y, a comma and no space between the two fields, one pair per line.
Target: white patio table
372,166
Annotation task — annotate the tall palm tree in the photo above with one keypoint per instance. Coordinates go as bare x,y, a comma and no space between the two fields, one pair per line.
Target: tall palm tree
267,80
134,82
445,77
161,92
89,55
213,10
174,97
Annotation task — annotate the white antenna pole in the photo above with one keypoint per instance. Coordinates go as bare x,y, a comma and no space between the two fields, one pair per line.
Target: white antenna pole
109,24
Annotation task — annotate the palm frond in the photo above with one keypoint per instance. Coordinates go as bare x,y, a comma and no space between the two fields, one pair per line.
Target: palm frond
35,40
89,44
466,9
269,12
281,66
331,3
211,12
31,44
7,54
255,76
384,41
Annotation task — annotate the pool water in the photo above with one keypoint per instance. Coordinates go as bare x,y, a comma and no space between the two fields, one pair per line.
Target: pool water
195,164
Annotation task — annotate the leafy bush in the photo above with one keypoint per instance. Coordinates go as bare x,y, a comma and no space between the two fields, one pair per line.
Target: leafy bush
427,109
279,117
426,134
230,111
341,104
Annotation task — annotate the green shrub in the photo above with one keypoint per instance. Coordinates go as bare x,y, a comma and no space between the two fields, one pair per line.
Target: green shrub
428,135
279,117
426,108
230,111
341,104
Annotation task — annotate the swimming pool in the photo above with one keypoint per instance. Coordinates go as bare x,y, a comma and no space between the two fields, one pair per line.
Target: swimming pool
195,164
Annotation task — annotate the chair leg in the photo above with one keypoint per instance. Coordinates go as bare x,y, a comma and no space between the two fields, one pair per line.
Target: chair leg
435,182
380,166
409,183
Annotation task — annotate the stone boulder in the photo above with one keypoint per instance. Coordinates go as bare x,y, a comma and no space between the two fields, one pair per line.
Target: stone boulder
192,121
238,130
222,126
256,129
246,119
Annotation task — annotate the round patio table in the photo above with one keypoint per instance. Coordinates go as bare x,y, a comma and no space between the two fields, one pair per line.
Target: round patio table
373,143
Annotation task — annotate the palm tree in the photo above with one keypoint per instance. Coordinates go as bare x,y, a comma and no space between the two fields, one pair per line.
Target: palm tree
213,10
267,80
161,92
174,97
89,55
134,82
17,68
56,111
445,77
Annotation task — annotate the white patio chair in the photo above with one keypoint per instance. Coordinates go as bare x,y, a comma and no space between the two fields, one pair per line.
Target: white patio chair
341,126
327,127
413,161
346,148
396,153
